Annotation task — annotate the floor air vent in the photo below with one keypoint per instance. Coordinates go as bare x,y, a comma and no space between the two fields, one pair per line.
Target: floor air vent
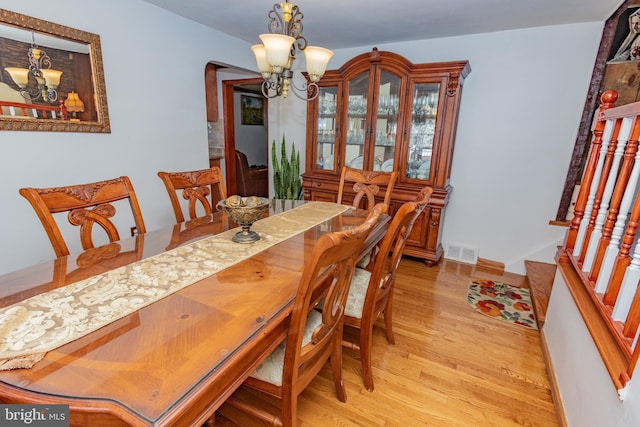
456,252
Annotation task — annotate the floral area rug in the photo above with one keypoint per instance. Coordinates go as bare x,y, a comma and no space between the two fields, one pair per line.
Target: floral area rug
502,301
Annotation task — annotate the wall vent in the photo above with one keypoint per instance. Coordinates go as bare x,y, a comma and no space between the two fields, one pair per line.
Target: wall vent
457,252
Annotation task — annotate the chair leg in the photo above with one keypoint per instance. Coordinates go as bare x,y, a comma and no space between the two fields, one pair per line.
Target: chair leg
336,368
289,410
365,356
388,319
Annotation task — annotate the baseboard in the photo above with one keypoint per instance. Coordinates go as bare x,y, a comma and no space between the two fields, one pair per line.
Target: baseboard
493,265
553,382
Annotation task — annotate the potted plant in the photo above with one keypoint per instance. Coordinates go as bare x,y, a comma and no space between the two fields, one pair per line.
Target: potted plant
286,172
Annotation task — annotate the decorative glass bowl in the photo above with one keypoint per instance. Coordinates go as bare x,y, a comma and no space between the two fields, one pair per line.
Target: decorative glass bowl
244,211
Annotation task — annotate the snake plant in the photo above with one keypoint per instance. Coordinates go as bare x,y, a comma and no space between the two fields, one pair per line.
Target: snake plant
286,172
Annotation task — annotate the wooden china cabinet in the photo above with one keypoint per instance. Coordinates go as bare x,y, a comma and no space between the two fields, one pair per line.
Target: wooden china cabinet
381,112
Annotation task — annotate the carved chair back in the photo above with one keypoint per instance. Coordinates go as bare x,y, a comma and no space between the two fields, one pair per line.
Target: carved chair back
87,205
366,185
196,186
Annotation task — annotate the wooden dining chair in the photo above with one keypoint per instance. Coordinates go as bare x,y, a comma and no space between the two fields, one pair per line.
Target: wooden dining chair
87,205
196,186
313,336
371,291
366,185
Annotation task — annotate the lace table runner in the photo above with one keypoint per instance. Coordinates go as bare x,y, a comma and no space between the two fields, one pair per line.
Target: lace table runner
39,324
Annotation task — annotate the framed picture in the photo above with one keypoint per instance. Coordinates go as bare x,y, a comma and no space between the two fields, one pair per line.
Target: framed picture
626,43
252,110
614,69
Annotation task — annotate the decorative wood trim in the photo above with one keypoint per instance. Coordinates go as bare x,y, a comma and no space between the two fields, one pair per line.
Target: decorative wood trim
553,382
228,89
493,265
211,91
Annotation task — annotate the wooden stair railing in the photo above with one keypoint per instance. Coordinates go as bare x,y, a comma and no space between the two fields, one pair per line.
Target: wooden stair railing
37,111
600,259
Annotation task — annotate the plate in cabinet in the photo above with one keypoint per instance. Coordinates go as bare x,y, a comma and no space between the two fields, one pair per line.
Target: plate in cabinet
357,162
387,166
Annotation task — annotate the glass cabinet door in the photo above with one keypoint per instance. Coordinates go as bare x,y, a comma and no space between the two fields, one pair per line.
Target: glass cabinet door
422,129
356,120
326,128
386,123
372,127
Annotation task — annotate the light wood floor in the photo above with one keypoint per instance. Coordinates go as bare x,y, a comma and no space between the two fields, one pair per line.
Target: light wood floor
450,366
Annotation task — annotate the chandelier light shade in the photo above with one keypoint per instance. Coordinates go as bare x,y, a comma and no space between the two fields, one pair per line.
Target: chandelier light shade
20,76
276,54
47,79
51,78
261,58
317,60
277,48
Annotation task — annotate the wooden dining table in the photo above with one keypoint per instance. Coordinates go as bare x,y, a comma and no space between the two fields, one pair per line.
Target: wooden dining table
175,361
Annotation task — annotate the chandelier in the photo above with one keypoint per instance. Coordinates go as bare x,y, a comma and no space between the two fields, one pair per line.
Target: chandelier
47,79
278,50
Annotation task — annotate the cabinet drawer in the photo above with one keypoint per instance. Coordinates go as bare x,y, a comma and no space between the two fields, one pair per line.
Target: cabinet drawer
321,196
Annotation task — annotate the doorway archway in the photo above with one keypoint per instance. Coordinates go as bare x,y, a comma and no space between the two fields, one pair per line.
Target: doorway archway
229,90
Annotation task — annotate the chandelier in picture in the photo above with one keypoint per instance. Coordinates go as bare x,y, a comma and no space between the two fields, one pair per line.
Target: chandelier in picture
278,50
47,79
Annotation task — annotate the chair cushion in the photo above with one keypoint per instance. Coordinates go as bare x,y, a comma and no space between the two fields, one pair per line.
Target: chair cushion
271,369
357,292
364,262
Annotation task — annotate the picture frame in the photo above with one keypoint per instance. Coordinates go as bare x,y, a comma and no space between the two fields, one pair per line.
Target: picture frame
625,41
84,74
251,110
616,28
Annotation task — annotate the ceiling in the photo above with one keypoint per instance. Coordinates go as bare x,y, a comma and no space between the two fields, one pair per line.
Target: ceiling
342,24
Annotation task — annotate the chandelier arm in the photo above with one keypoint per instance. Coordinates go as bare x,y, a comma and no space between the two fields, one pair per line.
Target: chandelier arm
295,28
311,89
45,61
33,94
300,43
276,24
52,95
270,86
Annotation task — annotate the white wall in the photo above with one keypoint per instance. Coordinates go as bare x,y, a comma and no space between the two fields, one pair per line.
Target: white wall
154,72
507,174
588,395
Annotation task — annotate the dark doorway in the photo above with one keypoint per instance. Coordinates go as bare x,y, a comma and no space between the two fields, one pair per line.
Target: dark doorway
232,90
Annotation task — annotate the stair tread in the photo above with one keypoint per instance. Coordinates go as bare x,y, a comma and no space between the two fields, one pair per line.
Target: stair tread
540,276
